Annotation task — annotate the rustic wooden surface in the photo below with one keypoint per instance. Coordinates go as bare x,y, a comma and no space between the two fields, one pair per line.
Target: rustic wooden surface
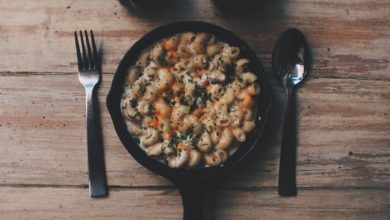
344,114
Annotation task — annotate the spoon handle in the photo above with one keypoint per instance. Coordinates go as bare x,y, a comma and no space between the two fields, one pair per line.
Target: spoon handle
287,166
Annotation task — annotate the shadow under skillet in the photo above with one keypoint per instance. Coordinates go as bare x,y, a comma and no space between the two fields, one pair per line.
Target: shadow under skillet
157,9
261,16
268,145
248,8
263,159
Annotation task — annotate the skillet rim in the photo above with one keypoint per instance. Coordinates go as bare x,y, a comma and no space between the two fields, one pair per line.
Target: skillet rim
116,91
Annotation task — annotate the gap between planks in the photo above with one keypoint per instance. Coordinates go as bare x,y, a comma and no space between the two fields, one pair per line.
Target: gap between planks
171,187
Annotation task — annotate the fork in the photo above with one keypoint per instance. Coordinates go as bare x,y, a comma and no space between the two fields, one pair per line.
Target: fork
89,76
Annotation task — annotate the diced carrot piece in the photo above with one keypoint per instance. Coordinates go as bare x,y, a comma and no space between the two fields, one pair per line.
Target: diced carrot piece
166,135
170,45
173,131
165,112
154,122
251,90
247,101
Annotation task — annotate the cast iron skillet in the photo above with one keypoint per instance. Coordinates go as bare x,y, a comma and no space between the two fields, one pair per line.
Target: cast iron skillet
191,183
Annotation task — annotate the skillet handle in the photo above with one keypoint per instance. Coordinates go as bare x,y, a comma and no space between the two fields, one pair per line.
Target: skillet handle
193,197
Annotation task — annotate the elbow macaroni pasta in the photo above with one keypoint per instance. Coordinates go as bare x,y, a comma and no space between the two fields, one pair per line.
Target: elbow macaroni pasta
188,99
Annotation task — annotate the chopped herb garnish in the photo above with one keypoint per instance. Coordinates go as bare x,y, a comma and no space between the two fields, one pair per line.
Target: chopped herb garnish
184,101
162,61
191,137
190,131
214,81
201,93
140,69
198,91
143,86
174,139
208,61
167,100
194,142
178,93
134,103
191,79
232,108
229,73
152,110
193,107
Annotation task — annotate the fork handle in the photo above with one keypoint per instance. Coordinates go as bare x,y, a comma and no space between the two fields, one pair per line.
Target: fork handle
96,167
287,166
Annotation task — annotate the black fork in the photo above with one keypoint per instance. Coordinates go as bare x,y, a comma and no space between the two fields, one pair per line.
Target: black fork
89,76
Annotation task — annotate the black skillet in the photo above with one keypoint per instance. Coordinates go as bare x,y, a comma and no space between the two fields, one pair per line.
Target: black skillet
191,183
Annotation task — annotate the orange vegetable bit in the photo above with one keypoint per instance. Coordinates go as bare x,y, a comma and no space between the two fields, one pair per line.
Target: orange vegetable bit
162,110
173,57
201,72
154,122
165,112
170,44
167,135
198,112
247,101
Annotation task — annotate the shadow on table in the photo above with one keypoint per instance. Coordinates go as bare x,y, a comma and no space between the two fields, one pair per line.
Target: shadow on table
154,10
262,160
258,162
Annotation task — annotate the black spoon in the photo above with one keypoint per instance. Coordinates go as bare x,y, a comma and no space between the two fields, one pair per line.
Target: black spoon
290,62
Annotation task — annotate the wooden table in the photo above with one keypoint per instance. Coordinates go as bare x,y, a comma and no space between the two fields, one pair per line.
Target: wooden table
344,114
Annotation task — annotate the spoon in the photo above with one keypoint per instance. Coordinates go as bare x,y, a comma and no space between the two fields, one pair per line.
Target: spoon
290,62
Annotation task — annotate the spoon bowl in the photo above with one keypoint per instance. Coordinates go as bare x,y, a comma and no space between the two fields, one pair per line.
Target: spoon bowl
290,58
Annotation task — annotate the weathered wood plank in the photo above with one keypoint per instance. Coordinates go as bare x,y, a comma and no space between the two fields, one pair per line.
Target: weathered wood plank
350,39
344,137
74,203
343,141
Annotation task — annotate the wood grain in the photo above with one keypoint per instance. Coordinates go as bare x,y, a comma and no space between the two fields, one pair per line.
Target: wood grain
344,113
343,141
349,39
68,203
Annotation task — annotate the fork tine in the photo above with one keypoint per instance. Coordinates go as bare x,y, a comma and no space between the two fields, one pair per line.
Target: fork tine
79,60
91,58
95,56
86,64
